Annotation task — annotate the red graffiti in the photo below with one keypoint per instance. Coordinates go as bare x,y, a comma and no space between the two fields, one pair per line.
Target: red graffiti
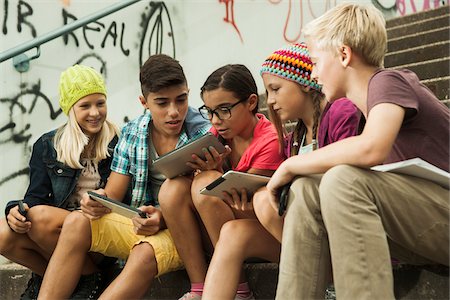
401,5
288,17
229,15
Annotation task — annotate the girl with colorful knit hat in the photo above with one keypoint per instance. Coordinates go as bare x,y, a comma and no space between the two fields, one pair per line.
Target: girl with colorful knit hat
292,95
64,164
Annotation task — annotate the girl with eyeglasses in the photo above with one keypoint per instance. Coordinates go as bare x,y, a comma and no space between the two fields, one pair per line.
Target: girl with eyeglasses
292,94
231,103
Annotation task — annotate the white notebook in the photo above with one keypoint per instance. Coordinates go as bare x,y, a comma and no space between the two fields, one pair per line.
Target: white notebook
419,168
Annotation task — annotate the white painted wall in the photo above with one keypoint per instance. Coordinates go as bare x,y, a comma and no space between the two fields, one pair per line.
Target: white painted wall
206,35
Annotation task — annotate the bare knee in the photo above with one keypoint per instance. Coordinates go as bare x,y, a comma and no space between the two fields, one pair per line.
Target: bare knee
199,182
43,222
76,230
142,259
263,209
174,192
233,237
8,238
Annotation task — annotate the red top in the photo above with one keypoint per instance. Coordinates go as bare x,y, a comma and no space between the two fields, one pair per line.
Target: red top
263,152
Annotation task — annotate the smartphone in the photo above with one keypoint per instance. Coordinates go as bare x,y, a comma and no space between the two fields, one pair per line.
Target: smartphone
22,209
283,194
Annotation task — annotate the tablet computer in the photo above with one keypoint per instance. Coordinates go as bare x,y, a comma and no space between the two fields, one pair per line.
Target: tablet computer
117,206
237,180
173,163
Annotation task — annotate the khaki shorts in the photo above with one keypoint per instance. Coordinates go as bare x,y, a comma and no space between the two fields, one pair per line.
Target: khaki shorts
113,235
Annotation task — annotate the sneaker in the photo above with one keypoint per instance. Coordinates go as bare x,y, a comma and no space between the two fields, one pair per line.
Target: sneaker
33,286
191,296
88,287
240,297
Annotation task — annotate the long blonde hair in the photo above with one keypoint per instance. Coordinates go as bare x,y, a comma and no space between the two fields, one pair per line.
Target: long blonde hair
71,142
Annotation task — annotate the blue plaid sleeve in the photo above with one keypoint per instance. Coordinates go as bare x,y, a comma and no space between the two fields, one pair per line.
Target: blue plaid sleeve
121,158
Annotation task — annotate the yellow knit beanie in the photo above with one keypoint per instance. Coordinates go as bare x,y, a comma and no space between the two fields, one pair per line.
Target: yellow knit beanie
77,82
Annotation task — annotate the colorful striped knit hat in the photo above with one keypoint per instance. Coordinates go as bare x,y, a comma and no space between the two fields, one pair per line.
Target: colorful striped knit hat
292,63
77,82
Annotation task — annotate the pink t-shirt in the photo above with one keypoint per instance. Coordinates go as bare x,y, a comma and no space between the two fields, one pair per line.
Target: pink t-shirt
263,152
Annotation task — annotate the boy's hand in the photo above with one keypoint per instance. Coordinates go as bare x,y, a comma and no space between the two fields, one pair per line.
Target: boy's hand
16,221
213,160
150,225
91,208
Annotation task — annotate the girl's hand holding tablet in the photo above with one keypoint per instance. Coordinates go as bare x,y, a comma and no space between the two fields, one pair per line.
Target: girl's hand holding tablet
213,159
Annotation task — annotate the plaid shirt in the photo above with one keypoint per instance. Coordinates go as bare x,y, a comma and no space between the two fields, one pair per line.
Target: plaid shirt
131,153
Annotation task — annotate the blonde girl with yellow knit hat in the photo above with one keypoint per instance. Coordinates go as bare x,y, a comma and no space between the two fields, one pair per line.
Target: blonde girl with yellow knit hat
64,164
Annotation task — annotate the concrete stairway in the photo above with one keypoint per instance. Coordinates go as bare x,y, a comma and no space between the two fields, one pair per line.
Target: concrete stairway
420,42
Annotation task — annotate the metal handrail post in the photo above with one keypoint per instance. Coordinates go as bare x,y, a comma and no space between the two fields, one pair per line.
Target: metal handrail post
63,30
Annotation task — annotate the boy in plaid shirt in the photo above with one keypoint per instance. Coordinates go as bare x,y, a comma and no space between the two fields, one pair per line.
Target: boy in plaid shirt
145,242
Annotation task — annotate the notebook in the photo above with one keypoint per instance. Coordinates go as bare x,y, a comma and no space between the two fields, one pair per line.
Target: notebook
419,168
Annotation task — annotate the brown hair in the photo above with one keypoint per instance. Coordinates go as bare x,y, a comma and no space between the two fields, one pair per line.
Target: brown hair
235,78
160,71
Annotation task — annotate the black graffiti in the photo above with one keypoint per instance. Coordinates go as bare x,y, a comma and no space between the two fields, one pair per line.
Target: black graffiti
88,27
97,59
154,19
5,17
22,15
66,16
112,31
23,135
96,27
15,175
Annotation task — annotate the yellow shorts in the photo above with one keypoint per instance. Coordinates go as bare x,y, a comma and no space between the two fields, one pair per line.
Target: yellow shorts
113,235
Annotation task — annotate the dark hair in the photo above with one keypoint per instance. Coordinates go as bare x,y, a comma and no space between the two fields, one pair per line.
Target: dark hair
234,78
160,71
300,128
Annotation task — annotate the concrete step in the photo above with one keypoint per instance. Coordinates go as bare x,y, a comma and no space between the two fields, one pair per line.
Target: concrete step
440,87
418,16
418,39
418,26
419,53
430,69
428,282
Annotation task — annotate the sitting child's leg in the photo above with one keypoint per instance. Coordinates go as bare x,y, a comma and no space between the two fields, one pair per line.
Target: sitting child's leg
137,275
184,224
213,211
239,240
70,255
265,213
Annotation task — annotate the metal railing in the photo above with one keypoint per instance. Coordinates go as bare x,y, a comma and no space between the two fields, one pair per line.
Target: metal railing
36,42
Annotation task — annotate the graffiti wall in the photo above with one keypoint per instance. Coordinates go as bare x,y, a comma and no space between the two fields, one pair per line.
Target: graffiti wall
203,35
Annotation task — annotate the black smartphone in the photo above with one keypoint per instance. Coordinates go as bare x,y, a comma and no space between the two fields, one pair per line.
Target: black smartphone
22,209
283,194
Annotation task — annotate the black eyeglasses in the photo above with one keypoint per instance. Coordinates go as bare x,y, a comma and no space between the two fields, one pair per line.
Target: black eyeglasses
222,112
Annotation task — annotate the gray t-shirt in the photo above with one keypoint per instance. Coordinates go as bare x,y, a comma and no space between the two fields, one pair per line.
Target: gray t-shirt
426,126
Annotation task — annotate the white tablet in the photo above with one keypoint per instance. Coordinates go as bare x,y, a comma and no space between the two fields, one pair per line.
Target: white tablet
117,206
173,164
237,180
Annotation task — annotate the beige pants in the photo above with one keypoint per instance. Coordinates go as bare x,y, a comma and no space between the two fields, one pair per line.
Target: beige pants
361,217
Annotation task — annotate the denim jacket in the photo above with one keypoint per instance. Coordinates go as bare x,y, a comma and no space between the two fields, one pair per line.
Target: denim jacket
52,182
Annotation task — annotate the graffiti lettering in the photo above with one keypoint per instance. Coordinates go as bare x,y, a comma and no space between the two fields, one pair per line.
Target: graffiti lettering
112,31
96,27
21,15
5,17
